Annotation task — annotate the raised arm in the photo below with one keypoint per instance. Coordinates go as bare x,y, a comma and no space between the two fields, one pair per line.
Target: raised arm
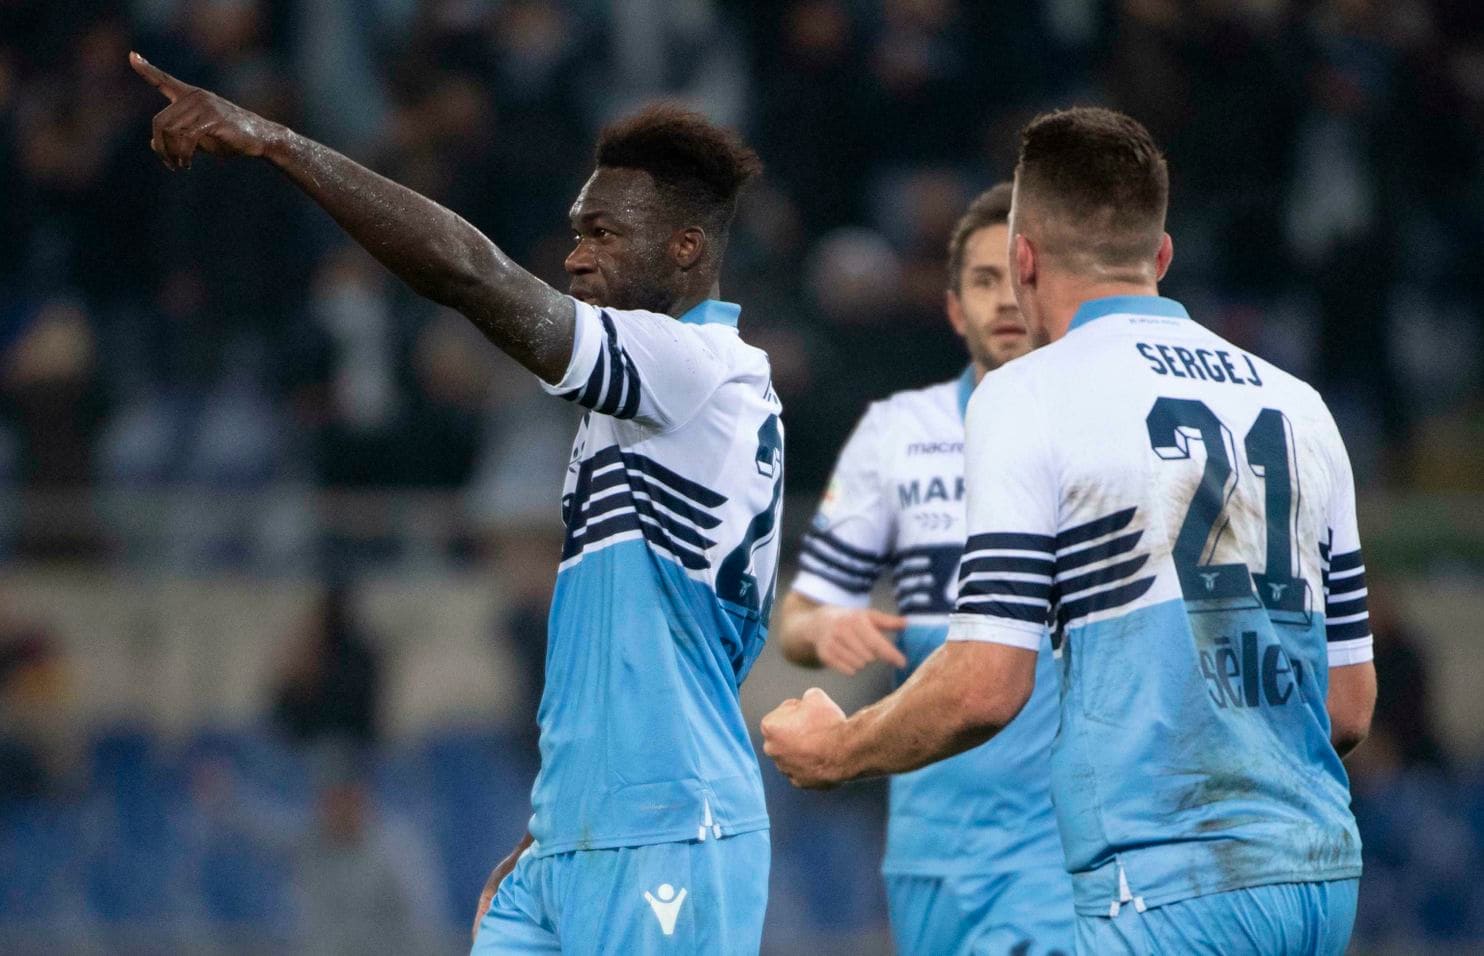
433,250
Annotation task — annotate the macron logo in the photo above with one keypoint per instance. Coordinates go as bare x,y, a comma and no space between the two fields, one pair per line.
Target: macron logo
666,905
935,448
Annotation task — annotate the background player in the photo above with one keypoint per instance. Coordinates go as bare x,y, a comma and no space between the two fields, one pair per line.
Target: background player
972,855
648,830
1186,511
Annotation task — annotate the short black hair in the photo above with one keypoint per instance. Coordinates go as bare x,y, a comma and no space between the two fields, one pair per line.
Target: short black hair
989,208
698,165
1099,177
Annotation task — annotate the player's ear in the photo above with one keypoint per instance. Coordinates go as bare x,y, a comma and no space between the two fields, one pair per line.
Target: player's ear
1163,257
955,308
1025,261
687,245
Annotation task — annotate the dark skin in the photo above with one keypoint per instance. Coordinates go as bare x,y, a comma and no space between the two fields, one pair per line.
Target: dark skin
636,249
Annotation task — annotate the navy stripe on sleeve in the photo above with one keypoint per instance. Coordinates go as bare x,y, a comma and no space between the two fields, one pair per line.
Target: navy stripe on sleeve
1346,615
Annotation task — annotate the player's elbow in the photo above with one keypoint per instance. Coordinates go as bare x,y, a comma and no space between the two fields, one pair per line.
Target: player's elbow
1351,702
473,271
1349,730
988,709
798,651
794,625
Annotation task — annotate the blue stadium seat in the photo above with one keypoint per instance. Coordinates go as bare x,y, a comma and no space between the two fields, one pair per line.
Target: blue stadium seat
40,856
480,789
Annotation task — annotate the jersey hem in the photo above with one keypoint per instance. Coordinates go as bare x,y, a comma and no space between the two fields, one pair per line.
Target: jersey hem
975,867
1155,900
673,835
975,627
1358,651
572,376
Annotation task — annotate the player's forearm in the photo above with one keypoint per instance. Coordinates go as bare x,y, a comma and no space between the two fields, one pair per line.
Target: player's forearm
944,709
435,251
798,629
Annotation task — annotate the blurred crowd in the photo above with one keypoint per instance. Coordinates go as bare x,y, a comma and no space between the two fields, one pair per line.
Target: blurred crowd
213,329
212,333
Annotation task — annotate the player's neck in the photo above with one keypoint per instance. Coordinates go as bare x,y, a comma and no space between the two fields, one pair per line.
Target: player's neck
1060,299
695,297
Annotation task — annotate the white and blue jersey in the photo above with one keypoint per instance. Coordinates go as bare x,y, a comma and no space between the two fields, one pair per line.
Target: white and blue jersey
1185,513
895,504
671,505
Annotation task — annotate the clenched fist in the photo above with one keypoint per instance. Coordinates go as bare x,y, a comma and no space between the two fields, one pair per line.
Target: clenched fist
800,736
197,119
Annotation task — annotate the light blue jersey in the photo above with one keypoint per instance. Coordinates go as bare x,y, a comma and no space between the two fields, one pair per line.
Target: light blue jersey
1185,512
666,582
896,504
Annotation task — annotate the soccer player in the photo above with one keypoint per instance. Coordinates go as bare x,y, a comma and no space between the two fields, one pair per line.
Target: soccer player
648,831
972,855
1185,512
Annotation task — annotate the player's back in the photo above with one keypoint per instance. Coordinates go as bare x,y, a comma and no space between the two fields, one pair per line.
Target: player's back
1201,496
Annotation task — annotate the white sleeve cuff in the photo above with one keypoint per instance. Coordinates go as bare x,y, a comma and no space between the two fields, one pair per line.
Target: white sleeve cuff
987,629
1357,651
586,341
816,588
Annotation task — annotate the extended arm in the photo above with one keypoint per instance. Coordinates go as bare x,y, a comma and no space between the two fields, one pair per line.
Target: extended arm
433,250
1351,702
961,696
815,634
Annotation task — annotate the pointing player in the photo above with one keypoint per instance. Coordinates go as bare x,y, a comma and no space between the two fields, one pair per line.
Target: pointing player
648,779
972,856
1186,513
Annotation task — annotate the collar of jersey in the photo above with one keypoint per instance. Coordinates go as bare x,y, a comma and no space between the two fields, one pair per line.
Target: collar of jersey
966,386
1127,305
713,310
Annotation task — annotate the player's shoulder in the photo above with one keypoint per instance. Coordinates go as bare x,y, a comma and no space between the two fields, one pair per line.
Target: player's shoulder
912,408
1293,391
720,340
936,396
1029,371
1295,388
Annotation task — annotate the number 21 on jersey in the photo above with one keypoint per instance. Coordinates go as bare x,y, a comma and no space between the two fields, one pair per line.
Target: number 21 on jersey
1269,457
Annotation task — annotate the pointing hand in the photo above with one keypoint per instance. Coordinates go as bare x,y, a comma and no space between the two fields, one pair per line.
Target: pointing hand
852,638
196,119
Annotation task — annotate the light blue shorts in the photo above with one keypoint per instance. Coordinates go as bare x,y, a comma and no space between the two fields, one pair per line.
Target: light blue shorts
669,898
1283,919
1025,913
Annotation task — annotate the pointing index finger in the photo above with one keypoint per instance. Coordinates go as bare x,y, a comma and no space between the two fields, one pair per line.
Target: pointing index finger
158,78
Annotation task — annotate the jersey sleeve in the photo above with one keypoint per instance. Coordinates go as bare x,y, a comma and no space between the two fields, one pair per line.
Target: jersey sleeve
639,366
1347,621
849,541
1005,577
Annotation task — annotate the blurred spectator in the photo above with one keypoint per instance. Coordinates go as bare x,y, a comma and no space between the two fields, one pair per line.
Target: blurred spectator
330,687
36,752
55,404
364,882
523,561
1404,698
